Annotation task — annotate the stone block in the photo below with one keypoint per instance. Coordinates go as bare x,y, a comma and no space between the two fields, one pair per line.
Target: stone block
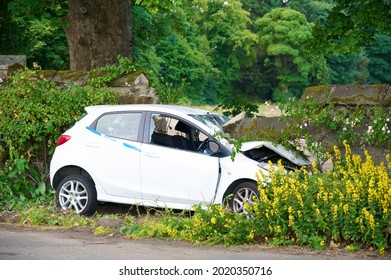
386,101
12,59
320,94
356,95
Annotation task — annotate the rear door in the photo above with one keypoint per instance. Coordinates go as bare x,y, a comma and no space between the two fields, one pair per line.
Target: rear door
112,152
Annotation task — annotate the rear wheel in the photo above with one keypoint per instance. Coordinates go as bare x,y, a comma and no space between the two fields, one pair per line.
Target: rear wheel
78,193
246,192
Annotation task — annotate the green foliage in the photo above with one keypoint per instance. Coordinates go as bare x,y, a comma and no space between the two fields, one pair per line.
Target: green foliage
226,26
216,47
258,9
146,35
125,66
47,214
38,32
214,225
356,125
379,128
163,224
379,60
233,106
348,69
282,34
181,60
34,113
352,25
21,184
170,94
100,230
217,225
313,10
153,6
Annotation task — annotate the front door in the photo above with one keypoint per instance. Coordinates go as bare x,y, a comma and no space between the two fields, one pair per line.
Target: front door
173,173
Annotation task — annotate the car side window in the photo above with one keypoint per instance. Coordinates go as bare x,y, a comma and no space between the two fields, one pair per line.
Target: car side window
171,132
120,125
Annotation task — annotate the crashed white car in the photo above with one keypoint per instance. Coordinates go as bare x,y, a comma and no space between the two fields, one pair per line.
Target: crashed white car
156,155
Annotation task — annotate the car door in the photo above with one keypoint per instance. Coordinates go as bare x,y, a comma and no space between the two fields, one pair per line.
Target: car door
112,152
176,176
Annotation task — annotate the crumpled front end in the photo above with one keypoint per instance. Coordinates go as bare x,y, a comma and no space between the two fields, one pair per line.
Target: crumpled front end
265,151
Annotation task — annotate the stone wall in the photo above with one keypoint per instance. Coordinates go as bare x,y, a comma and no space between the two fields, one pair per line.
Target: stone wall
134,88
7,60
344,97
351,95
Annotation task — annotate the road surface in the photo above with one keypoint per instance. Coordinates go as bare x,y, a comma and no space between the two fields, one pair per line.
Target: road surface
23,243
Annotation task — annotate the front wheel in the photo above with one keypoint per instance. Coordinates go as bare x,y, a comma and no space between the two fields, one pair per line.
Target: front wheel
78,193
246,192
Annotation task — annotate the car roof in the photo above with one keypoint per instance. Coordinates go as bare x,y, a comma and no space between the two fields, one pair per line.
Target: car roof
180,111
146,107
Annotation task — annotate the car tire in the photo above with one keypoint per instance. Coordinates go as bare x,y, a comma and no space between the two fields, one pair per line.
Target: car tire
244,192
78,193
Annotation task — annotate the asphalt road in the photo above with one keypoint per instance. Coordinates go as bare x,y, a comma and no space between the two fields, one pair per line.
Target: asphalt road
23,243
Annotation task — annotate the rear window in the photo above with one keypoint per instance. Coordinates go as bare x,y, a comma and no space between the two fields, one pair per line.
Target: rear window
120,125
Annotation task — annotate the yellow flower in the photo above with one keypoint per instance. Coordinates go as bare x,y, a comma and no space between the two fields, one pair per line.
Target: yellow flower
381,252
346,208
337,153
213,220
334,208
314,168
291,220
250,237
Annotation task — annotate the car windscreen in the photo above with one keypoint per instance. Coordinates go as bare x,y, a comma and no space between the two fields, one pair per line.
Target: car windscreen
209,121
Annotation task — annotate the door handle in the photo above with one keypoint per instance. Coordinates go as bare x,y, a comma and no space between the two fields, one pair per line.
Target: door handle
152,155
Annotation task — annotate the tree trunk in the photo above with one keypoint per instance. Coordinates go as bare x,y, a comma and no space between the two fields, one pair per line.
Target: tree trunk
98,31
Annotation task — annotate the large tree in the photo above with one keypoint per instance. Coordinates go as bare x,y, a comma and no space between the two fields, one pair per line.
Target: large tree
226,25
98,31
282,33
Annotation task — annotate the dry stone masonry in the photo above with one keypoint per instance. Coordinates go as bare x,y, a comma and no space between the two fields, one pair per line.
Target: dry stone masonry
134,87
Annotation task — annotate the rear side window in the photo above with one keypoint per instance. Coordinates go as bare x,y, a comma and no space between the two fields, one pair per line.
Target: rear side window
120,125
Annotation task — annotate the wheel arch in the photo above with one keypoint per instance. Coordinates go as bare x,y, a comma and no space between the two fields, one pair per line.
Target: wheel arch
234,185
67,171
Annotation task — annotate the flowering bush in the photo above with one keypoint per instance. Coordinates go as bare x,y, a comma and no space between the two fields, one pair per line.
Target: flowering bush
379,129
352,204
358,125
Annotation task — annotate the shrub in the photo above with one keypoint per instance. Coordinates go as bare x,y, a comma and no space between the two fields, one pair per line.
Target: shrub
358,124
352,204
33,115
216,225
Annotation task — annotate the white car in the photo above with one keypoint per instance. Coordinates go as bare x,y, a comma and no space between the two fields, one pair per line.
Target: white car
155,155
